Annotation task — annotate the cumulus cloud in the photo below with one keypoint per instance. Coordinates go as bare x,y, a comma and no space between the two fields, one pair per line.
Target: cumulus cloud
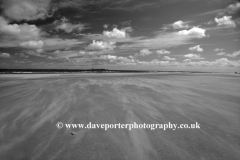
25,9
105,26
109,57
67,26
223,62
156,62
233,55
193,56
100,45
118,59
180,25
169,58
233,8
5,55
162,51
22,32
116,33
159,41
194,32
196,48
225,21
32,44
145,52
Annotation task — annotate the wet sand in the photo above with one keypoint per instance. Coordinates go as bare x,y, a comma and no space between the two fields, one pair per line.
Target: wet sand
31,106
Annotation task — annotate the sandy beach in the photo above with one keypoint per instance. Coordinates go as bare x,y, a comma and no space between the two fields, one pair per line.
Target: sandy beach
31,105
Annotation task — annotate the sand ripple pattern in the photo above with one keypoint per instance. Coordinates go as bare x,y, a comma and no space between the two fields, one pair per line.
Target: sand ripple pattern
30,108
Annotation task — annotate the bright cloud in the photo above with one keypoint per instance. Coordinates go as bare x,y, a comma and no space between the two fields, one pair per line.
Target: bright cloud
5,55
194,32
118,59
169,58
32,44
22,32
196,48
225,21
116,33
193,56
225,62
100,45
180,25
145,52
109,57
162,51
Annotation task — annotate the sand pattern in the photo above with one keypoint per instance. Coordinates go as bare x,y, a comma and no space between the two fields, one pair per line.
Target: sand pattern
30,109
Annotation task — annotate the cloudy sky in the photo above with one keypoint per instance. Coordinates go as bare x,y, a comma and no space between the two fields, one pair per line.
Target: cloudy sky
201,35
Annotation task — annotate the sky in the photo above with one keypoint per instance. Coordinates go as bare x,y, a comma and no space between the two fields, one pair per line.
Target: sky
164,35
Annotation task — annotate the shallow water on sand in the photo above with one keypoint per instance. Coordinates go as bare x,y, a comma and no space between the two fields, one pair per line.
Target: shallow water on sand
30,109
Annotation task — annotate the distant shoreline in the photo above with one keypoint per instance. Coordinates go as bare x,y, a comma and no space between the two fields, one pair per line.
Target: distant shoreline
105,75
62,71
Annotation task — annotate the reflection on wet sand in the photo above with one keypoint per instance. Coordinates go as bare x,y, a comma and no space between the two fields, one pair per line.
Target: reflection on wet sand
30,109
